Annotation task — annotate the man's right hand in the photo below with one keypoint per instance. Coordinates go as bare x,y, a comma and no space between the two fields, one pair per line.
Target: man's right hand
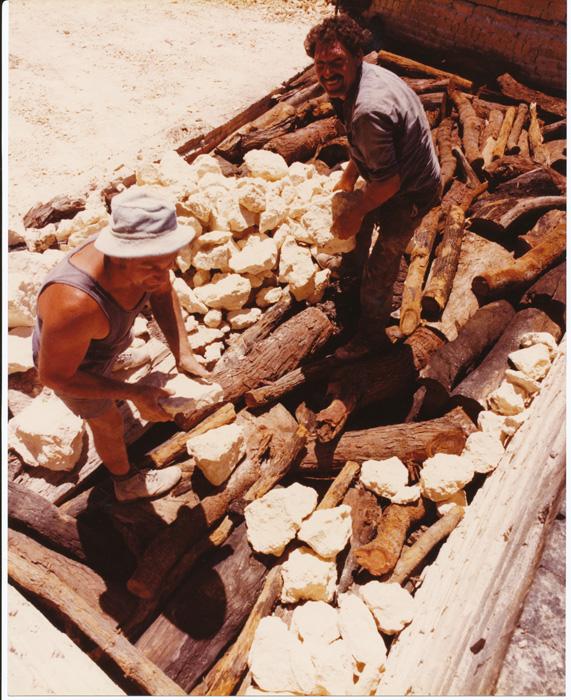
147,400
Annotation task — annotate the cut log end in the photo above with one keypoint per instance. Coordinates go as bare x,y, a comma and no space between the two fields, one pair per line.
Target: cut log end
481,287
431,308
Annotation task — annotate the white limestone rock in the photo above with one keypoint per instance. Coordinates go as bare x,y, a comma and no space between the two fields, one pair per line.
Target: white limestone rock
317,221
197,205
20,350
140,327
268,296
443,475
299,172
297,269
47,434
251,194
187,297
260,253
408,494
495,424
210,255
213,352
203,336
26,273
508,399
228,291
187,394
327,531
391,604
458,499
334,667
191,323
201,277
534,361
244,318
213,318
544,338
359,630
520,379
176,172
306,576
204,164
218,451
484,450
265,164
315,621
385,477
368,681
273,520
273,215
320,283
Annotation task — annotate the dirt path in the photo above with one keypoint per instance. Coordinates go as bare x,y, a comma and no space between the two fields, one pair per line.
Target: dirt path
93,85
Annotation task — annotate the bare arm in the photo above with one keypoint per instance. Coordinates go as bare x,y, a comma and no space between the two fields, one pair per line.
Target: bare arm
349,178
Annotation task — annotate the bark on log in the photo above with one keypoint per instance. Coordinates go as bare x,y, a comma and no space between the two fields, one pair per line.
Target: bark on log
425,85
556,130
381,555
447,159
421,249
53,211
454,360
544,224
471,178
407,441
473,391
373,379
406,66
512,88
498,217
523,143
525,270
333,152
538,152
303,143
556,154
490,134
471,126
504,134
513,139
508,168
549,294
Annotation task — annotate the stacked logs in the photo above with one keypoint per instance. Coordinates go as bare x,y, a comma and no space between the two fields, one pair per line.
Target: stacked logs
177,611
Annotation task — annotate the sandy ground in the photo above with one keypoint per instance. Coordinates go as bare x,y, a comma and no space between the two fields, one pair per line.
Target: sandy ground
94,84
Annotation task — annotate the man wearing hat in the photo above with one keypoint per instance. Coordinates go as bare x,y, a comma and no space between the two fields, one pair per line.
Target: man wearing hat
86,308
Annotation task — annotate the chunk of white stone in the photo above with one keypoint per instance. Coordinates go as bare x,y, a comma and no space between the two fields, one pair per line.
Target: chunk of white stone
443,475
203,336
251,194
26,273
47,434
327,531
187,297
273,215
384,477
520,379
218,451
204,164
256,280
229,292
20,350
391,604
260,253
315,621
214,257
187,394
201,277
244,318
484,450
544,338
277,660
359,630
494,423
334,667
191,323
273,520
213,318
140,327
533,361
407,494
318,222
299,172
227,213
297,269
368,680
268,296
508,399
265,164
174,170
197,205
213,352
320,283
458,499
307,576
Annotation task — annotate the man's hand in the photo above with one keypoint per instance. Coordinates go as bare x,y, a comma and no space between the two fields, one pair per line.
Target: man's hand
348,179
190,365
147,401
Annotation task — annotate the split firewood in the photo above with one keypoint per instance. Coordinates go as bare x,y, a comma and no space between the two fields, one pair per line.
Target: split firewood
523,143
412,556
473,391
538,152
458,357
471,126
515,132
365,516
556,130
372,380
447,159
525,270
303,143
381,555
549,294
53,211
490,134
225,675
420,250
407,441
510,87
406,66
445,263
544,224
472,178
504,134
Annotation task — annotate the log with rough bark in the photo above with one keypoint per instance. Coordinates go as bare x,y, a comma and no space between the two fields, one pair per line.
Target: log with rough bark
510,87
549,294
374,379
490,134
223,678
556,154
499,217
544,224
380,555
303,143
504,134
406,66
523,143
507,168
515,132
538,152
471,127
365,517
53,211
407,441
333,152
504,281
484,569
556,130
420,250
447,159
472,392
454,360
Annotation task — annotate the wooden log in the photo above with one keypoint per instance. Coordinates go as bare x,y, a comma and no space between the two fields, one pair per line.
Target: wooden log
490,134
333,152
303,143
223,678
484,569
504,134
556,155
512,88
373,379
508,168
406,66
504,281
380,555
457,358
447,159
538,152
555,130
544,224
499,217
471,127
471,178
523,143
515,132
426,85
549,294
473,391
421,249
407,441
51,212
365,516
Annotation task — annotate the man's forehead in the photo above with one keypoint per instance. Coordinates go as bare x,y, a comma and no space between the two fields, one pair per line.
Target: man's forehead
330,51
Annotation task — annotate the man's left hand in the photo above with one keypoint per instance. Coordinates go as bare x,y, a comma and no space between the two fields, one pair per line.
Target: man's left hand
347,223
189,365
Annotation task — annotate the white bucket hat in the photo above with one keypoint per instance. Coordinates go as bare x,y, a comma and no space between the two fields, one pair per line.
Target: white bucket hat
143,224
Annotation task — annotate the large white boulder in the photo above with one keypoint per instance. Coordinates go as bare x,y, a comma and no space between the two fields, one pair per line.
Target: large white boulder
508,399
226,291
334,667
315,621
243,318
47,434
359,630
187,297
523,381
26,273
297,269
260,253
217,452
443,475
391,604
503,427
484,450
251,194
306,576
534,361
544,338
385,477
265,164
327,531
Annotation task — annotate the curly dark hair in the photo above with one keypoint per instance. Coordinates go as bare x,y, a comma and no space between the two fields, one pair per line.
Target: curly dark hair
341,28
